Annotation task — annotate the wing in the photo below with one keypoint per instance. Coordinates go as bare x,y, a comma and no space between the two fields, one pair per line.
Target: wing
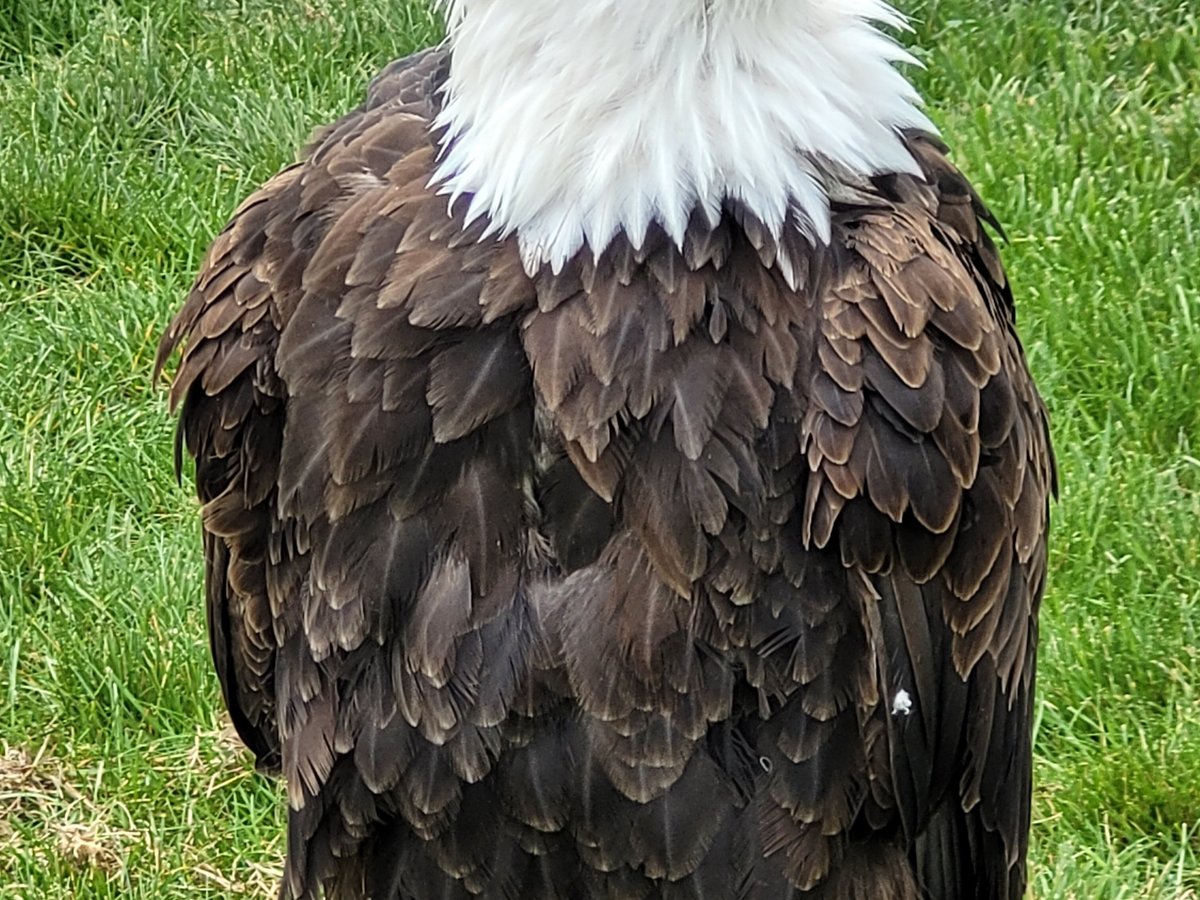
855,477
930,473
358,404
231,398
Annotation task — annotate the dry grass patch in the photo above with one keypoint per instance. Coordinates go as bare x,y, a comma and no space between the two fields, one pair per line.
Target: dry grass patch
40,805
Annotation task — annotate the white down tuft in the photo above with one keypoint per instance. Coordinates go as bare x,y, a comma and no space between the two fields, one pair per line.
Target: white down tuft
568,121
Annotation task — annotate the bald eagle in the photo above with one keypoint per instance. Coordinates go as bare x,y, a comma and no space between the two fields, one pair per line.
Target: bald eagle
621,476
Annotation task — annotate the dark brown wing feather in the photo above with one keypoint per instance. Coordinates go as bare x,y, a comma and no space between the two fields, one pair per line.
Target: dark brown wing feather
233,404
950,450
655,577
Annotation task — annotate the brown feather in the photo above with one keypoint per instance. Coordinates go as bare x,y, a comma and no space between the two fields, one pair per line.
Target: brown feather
473,381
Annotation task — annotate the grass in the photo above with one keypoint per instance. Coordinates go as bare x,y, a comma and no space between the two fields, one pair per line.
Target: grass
130,128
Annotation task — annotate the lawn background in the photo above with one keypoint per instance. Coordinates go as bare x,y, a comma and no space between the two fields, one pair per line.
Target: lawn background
129,129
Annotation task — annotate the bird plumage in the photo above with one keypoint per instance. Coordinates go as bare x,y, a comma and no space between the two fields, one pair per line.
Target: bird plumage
603,581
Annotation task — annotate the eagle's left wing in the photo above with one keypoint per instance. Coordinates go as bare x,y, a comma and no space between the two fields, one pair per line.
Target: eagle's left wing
231,397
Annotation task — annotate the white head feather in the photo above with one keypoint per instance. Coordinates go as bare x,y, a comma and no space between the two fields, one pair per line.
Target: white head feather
568,121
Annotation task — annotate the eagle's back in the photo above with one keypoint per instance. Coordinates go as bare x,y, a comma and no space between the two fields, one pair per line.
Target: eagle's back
665,575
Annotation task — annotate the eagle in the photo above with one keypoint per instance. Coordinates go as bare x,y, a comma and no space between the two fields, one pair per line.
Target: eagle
620,472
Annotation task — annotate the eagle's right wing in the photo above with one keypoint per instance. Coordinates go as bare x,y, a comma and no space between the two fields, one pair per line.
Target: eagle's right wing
930,472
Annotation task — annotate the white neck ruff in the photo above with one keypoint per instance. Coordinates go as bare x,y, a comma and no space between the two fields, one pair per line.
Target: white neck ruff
568,121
